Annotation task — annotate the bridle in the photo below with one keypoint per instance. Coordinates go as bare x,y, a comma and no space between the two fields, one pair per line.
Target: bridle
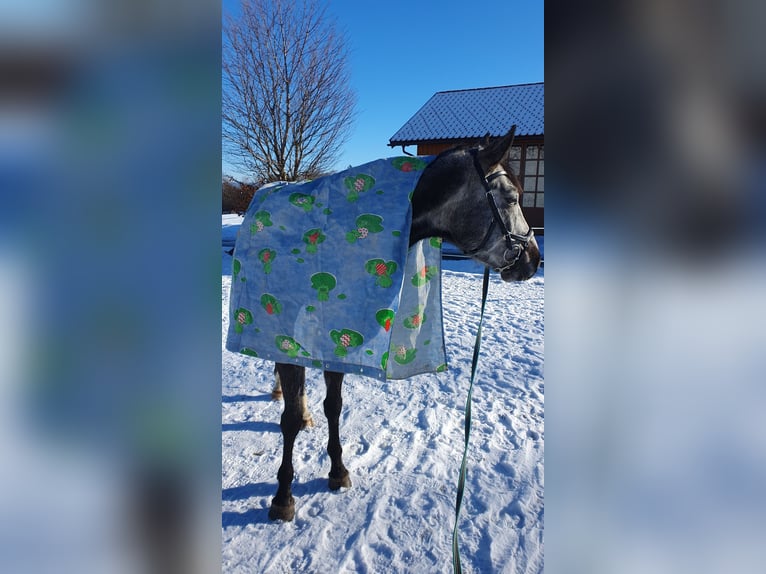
516,244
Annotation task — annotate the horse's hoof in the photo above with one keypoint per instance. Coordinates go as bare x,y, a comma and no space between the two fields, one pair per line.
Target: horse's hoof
276,395
307,423
286,513
336,483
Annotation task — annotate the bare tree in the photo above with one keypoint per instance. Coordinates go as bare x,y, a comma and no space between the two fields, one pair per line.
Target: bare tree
287,101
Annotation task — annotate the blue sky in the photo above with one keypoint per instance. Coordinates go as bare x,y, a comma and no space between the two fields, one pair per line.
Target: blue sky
402,52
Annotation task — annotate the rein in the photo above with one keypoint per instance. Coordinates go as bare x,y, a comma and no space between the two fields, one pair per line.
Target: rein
456,568
515,243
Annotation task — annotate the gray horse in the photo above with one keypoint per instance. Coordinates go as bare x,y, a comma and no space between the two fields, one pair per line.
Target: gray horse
470,197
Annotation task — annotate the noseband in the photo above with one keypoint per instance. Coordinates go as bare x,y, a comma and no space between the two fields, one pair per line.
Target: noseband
516,244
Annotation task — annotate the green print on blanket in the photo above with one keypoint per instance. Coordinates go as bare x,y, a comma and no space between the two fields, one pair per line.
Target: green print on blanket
305,202
365,224
385,318
266,256
382,271
262,221
424,275
312,238
242,317
404,355
416,320
408,163
344,339
270,304
236,267
357,184
289,346
323,283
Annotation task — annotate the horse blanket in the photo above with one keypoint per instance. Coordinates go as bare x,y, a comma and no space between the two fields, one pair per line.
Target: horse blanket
322,275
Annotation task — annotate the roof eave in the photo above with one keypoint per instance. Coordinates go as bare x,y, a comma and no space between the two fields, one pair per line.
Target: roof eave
397,143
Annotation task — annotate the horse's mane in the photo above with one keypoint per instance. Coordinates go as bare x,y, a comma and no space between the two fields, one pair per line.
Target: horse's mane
467,148
460,147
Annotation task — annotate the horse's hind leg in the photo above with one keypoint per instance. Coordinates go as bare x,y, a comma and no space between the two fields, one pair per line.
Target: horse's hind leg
276,395
276,392
293,381
333,404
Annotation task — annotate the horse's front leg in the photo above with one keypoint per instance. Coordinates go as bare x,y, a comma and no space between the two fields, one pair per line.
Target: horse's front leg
276,395
293,381
333,404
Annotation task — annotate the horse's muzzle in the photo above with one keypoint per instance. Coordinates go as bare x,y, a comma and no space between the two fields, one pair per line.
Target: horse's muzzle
525,266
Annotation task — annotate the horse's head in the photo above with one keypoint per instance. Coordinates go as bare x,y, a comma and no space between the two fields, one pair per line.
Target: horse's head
472,198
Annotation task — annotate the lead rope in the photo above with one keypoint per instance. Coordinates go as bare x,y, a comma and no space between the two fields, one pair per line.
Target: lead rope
456,568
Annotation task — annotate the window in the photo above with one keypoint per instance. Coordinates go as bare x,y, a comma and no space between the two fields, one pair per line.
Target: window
532,175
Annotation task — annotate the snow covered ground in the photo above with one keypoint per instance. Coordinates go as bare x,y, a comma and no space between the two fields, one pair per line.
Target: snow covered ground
402,445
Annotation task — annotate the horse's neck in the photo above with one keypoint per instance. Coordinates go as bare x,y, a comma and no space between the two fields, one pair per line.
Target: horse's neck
424,223
429,203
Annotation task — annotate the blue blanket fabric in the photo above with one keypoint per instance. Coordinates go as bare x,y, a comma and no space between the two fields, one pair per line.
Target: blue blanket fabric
322,276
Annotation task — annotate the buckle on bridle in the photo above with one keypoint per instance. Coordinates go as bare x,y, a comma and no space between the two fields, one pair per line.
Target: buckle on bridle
517,244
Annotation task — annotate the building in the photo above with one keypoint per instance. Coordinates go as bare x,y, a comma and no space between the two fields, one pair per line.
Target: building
458,117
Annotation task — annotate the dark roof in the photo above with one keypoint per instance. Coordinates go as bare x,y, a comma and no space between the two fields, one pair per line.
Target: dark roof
467,114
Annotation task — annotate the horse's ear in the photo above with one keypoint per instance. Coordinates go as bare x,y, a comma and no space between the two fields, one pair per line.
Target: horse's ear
496,152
